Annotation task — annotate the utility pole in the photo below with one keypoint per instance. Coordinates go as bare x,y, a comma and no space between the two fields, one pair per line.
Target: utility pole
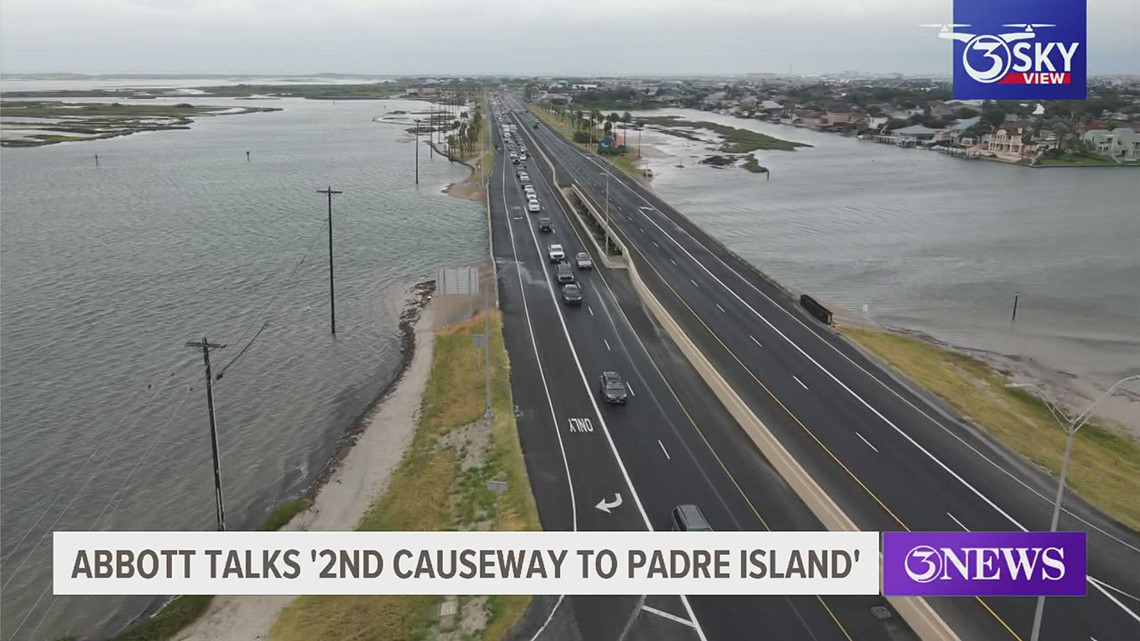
332,292
204,347
247,156
96,160
1016,295
417,121
431,131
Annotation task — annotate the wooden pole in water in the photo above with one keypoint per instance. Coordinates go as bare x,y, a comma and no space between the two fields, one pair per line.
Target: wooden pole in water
332,291
220,512
96,160
417,150
1016,295
247,156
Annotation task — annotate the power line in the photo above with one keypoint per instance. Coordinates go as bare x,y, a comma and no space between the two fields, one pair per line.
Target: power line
273,299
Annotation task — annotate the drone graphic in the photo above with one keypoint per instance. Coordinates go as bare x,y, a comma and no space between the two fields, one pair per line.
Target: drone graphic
993,47
1028,30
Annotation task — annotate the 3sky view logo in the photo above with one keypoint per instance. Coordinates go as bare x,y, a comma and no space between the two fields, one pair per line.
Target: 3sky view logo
1018,49
984,564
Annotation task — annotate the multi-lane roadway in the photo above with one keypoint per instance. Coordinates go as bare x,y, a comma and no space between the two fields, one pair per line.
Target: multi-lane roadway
886,453
670,444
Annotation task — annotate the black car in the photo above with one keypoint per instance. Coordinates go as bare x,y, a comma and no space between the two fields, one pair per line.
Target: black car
572,294
544,224
514,161
688,518
613,388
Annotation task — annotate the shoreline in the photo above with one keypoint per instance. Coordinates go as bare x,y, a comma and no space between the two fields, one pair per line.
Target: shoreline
1073,394
367,454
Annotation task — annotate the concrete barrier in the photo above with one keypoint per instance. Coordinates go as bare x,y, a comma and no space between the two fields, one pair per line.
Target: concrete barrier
917,613
607,260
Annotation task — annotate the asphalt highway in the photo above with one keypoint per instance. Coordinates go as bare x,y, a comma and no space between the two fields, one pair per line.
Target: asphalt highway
886,453
672,443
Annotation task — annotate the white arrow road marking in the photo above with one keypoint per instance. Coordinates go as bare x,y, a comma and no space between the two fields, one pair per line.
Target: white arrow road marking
606,507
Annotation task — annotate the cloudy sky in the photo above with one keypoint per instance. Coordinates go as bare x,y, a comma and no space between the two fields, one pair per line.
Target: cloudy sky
505,36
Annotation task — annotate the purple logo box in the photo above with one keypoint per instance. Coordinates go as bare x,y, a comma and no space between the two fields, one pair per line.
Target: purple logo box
984,564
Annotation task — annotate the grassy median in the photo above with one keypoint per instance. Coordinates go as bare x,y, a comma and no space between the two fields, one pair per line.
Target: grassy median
1105,465
441,484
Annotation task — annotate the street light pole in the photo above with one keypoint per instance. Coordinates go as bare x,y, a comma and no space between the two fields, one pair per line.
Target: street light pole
1074,424
417,121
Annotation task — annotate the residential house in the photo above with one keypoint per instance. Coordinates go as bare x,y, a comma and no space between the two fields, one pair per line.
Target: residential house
957,135
1122,143
875,122
1007,141
914,134
840,118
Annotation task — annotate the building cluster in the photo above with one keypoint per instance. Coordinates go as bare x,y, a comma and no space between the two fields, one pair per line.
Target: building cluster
892,110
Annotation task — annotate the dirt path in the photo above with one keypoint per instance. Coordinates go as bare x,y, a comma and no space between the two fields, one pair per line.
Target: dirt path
342,501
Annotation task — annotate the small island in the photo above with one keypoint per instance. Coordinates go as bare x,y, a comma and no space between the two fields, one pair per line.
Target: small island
31,123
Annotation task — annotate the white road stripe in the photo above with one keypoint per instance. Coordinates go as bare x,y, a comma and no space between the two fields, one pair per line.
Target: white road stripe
590,309
866,441
666,615
957,521
664,450
719,307
755,341
672,261
799,381
642,229
607,344
656,245
694,282
629,387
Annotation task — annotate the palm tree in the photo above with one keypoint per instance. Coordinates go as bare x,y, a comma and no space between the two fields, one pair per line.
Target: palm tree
595,117
625,120
607,126
578,119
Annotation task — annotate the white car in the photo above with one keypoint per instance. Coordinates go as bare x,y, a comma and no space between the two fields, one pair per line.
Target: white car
529,189
556,253
533,207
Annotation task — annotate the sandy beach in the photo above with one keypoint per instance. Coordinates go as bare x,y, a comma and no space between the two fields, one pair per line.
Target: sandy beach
359,478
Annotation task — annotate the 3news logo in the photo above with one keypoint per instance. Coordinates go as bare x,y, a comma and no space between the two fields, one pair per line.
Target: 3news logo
1018,49
984,564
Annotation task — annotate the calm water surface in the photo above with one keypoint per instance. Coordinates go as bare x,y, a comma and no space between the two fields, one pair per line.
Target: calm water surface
933,243
107,272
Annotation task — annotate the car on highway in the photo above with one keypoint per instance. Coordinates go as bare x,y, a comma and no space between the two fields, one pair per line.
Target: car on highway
688,518
556,253
520,171
613,389
583,261
514,161
522,156
533,207
525,179
544,224
572,294
529,189
565,273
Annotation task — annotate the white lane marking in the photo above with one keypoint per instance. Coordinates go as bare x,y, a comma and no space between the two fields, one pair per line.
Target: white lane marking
719,307
958,522
593,402
906,436
672,261
590,309
866,441
799,381
755,341
665,615
1002,469
538,359
694,282
656,245
1115,589
667,457
629,386
608,348
642,229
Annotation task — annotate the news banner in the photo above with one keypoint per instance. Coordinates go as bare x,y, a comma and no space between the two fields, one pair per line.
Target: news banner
603,563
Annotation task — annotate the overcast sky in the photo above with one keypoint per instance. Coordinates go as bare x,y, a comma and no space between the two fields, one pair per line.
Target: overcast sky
613,37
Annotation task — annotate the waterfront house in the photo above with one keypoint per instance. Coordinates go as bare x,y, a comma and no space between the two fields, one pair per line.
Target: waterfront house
913,135
1006,142
1122,143
875,122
